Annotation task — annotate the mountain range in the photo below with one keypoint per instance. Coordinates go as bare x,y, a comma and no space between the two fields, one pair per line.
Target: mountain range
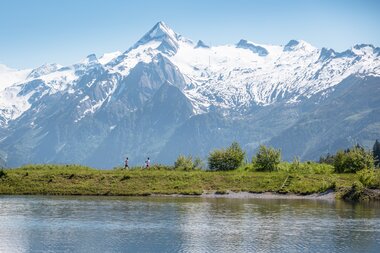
168,95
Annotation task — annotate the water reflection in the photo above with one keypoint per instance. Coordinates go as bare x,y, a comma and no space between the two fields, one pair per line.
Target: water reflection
96,224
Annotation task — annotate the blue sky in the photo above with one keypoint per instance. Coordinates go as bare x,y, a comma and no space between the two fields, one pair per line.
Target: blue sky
34,32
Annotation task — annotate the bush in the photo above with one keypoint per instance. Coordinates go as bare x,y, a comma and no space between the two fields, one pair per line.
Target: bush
299,167
322,168
3,173
267,159
226,159
367,177
296,164
353,160
355,192
376,153
187,163
198,164
184,163
328,159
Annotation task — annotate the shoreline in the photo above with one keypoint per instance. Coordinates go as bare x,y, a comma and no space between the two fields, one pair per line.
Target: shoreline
328,195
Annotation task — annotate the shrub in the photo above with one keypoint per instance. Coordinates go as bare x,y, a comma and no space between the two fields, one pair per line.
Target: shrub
367,177
353,160
187,163
355,192
267,159
322,168
184,163
296,164
3,173
376,153
198,163
340,161
328,159
217,160
226,159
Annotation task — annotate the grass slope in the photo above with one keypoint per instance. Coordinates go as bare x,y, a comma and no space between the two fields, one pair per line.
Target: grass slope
79,180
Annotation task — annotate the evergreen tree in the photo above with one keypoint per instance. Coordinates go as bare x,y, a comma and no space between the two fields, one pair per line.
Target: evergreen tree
358,146
376,153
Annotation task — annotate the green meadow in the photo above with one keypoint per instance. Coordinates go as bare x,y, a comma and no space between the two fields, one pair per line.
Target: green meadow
307,178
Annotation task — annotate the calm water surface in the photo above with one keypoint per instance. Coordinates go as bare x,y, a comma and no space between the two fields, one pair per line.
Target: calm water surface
166,224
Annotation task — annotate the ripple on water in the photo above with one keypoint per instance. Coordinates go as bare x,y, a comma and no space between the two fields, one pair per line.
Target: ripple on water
97,224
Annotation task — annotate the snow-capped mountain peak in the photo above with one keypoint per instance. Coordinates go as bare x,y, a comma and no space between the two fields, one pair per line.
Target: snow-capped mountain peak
90,62
231,77
107,57
327,53
158,32
160,38
165,85
44,70
294,45
90,59
201,44
365,49
261,51
163,38
9,76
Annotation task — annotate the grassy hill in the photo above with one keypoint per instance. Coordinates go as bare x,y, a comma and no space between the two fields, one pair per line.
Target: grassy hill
80,180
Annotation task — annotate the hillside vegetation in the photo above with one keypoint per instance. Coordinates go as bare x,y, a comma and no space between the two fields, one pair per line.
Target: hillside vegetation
351,173
79,180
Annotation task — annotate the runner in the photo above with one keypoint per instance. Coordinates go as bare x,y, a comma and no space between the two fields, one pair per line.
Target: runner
147,163
126,163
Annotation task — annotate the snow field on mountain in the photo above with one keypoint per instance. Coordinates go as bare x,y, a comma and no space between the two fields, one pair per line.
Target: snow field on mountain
230,77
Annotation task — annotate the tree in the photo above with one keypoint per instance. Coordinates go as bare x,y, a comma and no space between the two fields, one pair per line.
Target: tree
226,159
236,154
356,159
376,153
267,159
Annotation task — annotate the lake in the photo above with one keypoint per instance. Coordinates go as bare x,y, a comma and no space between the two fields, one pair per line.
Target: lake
174,224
